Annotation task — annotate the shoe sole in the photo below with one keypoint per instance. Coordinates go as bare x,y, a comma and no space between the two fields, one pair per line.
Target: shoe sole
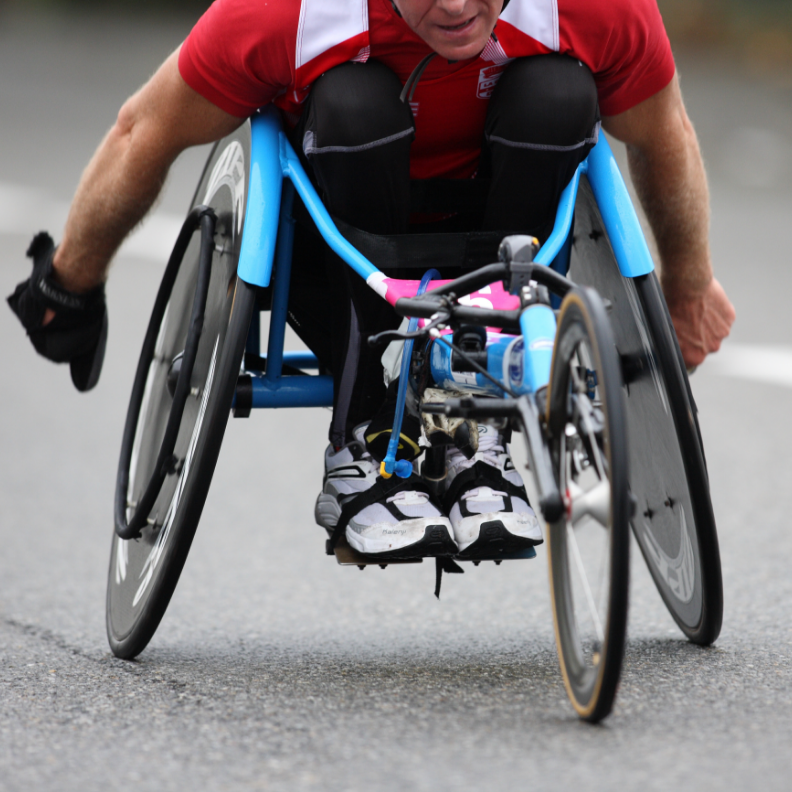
494,540
436,541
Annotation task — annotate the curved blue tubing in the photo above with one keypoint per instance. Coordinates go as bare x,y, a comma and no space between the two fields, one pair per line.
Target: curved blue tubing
273,159
403,468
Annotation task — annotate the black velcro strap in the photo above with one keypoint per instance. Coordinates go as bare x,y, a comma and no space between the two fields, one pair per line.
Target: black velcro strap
480,475
381,490
78,332
52,295
445,196
469,250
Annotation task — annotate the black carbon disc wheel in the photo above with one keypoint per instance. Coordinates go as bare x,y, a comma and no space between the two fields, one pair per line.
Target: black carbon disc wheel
673,521
676,573
143,572
589,547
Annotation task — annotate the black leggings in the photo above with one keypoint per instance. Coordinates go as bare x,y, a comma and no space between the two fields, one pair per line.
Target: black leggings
354,138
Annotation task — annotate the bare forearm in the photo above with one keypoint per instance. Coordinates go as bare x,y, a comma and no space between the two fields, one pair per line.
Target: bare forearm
668,173
117,189
672,186
127,172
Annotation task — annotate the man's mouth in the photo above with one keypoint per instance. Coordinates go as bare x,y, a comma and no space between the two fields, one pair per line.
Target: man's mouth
457,28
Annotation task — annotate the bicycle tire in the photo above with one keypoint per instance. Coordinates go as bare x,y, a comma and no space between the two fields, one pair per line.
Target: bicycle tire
673,523
144,572
589,547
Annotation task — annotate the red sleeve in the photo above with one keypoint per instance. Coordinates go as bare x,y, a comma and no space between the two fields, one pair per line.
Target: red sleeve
625,45
240,54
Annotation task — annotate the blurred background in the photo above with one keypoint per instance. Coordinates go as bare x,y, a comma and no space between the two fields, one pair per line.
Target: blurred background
258,597
759,31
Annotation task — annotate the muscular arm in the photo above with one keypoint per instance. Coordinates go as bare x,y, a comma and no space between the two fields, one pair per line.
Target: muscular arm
128,170
668,173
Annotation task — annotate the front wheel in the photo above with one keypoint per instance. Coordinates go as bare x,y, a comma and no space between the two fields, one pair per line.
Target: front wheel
588,548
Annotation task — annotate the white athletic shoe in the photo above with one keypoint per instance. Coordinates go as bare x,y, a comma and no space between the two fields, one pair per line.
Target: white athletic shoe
487,502
388,518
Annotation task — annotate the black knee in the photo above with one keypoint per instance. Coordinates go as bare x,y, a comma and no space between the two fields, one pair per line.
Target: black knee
541,123
355,135
355,104
546,100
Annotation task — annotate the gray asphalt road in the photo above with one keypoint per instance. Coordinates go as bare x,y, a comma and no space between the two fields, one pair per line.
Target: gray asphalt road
276,669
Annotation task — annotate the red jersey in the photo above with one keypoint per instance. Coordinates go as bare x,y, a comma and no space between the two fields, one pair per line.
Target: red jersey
244,54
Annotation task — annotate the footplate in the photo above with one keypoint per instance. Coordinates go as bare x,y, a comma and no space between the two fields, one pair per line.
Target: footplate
348,556
517,555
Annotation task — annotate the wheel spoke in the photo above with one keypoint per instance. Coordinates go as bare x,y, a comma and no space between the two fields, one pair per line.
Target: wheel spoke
588,565
575,550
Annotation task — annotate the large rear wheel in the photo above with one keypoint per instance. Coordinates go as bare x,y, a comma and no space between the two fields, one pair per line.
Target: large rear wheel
673,521
144,570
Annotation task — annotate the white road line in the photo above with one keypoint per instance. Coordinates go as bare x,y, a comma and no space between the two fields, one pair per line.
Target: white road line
25,211
771,364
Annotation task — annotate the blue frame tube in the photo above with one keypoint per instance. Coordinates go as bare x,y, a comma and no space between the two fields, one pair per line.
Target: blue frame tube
309,391
617,210
563,222
280,294
262,210
618,213
273,159
538,325
269,232
293,170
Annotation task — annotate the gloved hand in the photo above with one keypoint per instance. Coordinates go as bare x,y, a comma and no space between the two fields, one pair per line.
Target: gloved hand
77,334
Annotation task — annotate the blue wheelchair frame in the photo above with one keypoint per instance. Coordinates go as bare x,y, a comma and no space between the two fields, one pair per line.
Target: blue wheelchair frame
268,238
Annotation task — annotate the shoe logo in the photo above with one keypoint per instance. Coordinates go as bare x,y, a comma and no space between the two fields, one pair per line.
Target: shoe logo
508,465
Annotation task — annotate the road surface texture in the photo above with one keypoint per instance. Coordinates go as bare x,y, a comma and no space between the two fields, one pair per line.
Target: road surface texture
274,668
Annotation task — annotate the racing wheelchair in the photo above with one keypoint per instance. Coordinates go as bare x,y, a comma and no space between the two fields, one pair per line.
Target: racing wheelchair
570,346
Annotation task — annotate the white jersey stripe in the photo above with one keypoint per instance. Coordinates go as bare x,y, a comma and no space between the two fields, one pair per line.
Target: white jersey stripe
536,18
326,23
494,53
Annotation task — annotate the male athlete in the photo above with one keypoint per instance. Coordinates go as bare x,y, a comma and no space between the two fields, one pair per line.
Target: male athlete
379,95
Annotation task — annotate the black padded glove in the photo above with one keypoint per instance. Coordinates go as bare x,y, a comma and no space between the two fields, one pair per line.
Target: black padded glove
78,333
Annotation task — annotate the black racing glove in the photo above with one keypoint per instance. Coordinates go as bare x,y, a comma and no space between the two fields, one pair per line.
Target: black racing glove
77,335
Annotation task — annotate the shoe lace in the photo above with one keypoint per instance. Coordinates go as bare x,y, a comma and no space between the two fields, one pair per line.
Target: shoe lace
409,498
490,493
490,448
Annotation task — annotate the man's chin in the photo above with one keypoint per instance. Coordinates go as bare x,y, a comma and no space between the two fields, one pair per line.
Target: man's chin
457,52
